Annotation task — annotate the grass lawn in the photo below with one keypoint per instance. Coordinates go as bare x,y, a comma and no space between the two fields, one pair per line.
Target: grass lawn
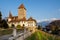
5,32
40,35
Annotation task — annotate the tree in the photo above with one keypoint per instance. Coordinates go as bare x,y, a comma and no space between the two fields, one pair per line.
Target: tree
39,27
12,26
0,16
0,20
4,24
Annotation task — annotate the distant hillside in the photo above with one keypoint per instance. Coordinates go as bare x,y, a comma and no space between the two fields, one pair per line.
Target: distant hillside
55,23
44,23
54,26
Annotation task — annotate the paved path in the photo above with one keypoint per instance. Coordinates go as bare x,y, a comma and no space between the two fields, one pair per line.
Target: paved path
5,37
21,36
25,35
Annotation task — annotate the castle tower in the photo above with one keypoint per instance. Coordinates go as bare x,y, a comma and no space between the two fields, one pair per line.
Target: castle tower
21,12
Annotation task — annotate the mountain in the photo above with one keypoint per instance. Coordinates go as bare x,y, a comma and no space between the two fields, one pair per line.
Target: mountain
46,22
43,24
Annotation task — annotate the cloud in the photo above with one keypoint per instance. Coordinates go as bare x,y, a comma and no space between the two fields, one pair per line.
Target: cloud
41,20
38,20
51,19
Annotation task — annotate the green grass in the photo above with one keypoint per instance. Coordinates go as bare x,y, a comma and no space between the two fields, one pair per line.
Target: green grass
40,35
32,37
5,32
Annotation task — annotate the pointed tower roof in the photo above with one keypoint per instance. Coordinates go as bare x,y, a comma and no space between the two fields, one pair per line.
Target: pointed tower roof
21,6
10,14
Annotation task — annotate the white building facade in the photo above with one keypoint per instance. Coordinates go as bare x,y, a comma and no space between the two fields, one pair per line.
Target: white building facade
21,18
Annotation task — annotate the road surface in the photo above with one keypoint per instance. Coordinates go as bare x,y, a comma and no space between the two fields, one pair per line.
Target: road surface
5,37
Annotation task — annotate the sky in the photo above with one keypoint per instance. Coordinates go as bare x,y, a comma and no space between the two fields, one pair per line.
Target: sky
38,9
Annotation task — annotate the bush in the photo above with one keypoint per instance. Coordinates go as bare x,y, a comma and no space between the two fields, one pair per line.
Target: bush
18,26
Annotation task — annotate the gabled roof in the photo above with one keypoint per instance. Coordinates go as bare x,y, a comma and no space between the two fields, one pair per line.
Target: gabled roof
31,19
21,6
16,19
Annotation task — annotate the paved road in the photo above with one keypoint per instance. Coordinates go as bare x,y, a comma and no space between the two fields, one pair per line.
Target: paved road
21,36
5,37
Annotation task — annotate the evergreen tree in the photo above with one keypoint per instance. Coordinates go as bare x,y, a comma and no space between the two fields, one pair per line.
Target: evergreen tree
0,16
4,24
0,20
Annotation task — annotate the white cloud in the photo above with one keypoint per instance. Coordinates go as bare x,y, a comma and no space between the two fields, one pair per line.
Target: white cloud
51,19
38,20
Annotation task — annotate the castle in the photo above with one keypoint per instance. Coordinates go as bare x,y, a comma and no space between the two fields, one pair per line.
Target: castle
21,18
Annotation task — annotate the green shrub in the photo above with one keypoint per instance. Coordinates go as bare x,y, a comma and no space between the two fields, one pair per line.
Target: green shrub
18,27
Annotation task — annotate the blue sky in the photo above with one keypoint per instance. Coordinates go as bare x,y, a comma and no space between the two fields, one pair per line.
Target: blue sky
38,9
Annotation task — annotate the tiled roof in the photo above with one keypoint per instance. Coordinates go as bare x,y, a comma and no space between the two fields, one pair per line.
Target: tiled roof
31,19
15,19
21,6
24,19
18,20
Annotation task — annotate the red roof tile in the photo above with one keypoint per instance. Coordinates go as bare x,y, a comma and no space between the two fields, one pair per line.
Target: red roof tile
21,6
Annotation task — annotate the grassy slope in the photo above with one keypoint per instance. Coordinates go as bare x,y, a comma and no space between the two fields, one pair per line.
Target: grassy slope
40,35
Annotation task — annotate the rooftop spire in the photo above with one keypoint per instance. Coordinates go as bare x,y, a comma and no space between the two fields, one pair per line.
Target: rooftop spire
10,15
21,6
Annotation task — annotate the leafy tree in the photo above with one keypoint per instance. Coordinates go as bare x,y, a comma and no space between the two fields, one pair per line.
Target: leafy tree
39,27
4,24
